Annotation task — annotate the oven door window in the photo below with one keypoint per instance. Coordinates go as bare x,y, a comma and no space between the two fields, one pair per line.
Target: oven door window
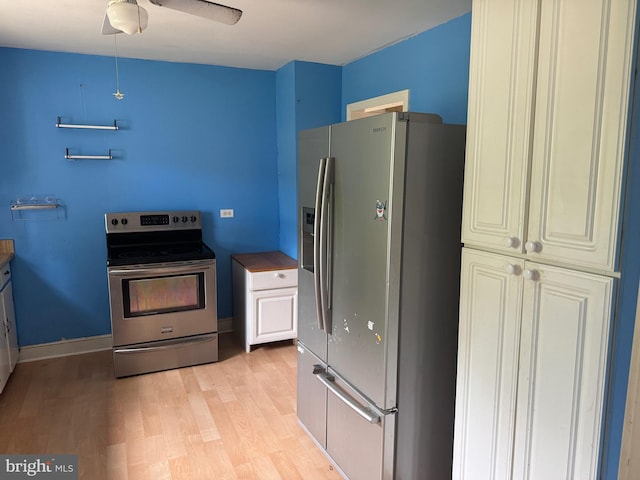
174,293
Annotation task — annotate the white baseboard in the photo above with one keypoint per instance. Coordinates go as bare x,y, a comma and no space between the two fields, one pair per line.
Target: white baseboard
63,348
76,346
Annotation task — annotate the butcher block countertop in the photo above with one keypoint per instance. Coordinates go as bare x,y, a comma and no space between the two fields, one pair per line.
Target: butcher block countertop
265,261
6,252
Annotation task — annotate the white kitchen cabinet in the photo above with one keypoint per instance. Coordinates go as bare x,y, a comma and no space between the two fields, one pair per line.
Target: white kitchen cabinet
548,106
488,348
5,368
265,297
548,111
10,323
8,332
501,83
563,353
531,362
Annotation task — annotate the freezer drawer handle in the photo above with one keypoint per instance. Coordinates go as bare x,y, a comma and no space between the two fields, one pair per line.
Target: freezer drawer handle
328,381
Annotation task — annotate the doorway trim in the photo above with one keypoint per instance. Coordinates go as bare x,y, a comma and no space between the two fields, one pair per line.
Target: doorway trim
391,102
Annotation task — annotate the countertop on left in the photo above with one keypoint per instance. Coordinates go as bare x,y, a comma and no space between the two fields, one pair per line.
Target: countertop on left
7,252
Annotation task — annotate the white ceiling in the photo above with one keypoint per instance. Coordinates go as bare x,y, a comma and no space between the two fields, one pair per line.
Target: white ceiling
270,33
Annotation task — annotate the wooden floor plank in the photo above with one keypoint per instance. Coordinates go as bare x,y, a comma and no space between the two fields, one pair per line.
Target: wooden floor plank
233,419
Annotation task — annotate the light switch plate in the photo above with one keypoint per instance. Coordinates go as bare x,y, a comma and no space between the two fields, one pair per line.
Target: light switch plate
226,213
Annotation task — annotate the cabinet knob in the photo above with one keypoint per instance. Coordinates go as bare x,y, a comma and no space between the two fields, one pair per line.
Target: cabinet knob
532,275
279,275
512,242
533,247
513,269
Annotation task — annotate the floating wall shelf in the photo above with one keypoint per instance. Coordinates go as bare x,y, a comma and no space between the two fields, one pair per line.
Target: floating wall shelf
22,207
34,206
88,157
90,127
87,127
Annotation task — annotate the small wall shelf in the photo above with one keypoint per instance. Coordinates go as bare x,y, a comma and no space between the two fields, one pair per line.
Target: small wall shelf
24,208
90,127
88,157
34,206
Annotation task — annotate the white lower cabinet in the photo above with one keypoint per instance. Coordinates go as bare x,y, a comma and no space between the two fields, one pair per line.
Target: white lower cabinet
265,301
8,332
5,368
531,369
488,347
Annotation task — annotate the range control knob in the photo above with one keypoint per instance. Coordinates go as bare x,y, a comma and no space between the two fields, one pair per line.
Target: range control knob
184,219
124,221
114,221
175,219
193,218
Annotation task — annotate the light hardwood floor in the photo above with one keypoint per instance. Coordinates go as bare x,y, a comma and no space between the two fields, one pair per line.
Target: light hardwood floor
231,419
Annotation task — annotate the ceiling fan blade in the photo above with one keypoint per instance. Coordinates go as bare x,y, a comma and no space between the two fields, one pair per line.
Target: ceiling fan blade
203,8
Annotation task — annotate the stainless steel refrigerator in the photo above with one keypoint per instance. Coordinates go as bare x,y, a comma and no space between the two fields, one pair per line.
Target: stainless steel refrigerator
379,204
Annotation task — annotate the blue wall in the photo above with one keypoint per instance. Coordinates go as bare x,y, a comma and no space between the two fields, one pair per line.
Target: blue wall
307,96
433,65
286,128
206,138
192,137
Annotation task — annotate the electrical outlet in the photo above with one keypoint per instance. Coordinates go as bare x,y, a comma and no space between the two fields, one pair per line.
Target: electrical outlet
226,213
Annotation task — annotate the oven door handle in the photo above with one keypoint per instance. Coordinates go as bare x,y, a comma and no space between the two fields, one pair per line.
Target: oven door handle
179,344
158,271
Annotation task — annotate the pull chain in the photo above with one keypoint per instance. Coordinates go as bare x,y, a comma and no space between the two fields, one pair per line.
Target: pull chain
118,94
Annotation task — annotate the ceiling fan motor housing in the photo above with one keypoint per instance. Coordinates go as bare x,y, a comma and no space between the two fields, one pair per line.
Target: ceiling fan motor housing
126,16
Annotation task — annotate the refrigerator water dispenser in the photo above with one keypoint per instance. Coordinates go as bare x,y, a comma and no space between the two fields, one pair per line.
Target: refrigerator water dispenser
308,218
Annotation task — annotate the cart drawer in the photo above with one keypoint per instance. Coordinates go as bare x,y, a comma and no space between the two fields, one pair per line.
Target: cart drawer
273,279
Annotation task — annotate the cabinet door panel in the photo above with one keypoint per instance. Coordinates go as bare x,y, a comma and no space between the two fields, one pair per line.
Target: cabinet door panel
580,124
5,367
487,366
503,47
565,333
10,324
276,313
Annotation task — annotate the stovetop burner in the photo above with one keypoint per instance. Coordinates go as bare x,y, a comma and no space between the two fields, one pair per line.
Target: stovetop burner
155,237
161,253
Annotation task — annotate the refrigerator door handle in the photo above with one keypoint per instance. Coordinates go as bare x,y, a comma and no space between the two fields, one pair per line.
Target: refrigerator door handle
317,258
325,259
328,381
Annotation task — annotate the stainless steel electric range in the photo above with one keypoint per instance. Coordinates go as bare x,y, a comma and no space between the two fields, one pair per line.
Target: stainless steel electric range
162,291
